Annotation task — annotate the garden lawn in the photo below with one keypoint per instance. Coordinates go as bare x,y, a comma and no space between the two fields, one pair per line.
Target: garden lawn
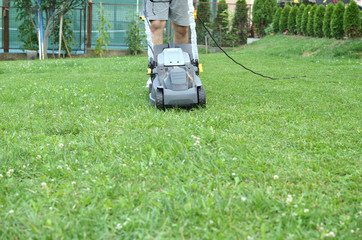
84,156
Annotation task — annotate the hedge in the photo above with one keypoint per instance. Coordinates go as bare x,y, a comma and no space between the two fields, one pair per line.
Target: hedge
305,20
283,21
352,20
292,18
299,18
318,21
337,21
310,24
327,20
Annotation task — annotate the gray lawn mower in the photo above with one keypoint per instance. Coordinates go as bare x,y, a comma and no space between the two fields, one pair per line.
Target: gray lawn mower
174,70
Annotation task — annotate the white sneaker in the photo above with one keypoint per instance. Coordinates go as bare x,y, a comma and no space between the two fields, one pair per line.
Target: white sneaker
149,82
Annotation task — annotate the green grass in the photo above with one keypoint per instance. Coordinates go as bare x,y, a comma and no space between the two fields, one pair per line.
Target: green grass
115,167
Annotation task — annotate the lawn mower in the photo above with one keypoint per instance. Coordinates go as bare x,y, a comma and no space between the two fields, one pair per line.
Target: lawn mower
174,70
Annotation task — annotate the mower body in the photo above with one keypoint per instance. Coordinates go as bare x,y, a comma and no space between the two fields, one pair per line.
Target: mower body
174,76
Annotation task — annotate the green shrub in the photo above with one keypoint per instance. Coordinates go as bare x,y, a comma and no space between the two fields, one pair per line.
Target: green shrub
299,18
276,20
240,21
135,37
283,21
337,21
318,21
218,20
310,23
304,21
204,13
327,20
263,11
352,20
292,20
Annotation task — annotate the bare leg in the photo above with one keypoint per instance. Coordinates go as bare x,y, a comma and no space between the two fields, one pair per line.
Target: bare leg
157,27
181,33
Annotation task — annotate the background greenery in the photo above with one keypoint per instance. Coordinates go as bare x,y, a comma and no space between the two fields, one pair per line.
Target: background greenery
83,154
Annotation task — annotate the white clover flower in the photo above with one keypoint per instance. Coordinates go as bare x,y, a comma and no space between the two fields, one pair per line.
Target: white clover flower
330,234
50,208
59,167
43,185
73,182
88,189
11,170
243,199
52,180
17,194
234,159
61,145
233,174
276,177
38,157
8,173
306,210
289,199
1,176
11,211
119,226
211,222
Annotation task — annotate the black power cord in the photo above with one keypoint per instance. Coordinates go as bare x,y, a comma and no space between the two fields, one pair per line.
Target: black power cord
264,76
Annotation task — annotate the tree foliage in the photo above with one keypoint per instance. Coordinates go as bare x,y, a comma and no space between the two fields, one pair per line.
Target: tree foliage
276,20
310,23
292,20
304,21
263,12
299,18
337,30
203,13
327,21
318,21
219,22
50,10
352,20
240,21
283,21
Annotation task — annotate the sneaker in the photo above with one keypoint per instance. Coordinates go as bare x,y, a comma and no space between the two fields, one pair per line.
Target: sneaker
149,82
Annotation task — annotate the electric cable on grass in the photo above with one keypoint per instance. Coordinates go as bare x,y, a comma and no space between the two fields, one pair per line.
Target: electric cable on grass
250,70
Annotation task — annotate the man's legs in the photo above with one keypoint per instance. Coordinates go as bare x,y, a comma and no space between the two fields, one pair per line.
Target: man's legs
180,33
157,27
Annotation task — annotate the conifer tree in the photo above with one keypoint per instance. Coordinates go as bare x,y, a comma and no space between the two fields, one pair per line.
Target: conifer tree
204,13
299,18
283,21
318,21
276,20
352,20
240,21
304,21
263,12
292,18
327,21
310,23
337,21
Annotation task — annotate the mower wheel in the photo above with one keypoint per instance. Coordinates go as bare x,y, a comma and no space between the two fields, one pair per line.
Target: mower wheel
159,99
201,96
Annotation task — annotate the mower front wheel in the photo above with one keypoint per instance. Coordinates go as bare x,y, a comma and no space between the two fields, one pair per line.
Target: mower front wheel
159,99
201,95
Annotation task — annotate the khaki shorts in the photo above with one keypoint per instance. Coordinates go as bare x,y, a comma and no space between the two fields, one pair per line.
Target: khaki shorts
177,10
